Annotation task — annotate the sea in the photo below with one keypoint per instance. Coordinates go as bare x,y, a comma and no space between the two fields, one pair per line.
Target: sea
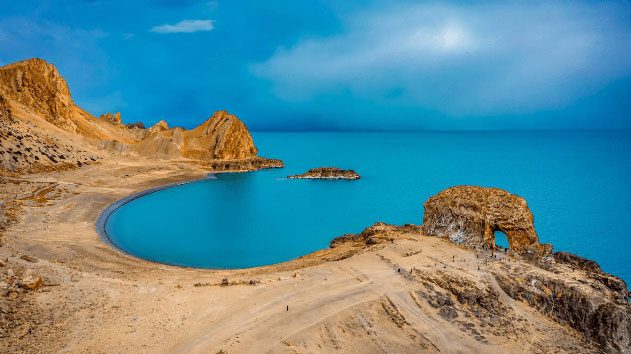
577,184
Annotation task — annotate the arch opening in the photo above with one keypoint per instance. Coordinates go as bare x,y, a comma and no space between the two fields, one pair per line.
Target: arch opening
500,239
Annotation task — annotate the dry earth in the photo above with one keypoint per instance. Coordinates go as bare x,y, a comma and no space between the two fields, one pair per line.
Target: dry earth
411,294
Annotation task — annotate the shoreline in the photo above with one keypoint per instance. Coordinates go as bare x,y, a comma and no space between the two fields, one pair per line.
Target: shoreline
97,298
104,215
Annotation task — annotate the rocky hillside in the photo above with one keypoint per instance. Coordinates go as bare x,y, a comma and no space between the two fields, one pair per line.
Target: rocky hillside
223,136
568,289
43,129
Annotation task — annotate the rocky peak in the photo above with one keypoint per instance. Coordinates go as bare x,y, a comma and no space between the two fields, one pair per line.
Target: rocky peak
471,215
39,87
158,127
112,118
223,136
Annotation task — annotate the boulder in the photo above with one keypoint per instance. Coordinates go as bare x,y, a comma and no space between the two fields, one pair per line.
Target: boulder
31,282
471,215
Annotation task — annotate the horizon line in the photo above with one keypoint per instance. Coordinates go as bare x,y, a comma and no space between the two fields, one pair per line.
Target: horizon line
439,130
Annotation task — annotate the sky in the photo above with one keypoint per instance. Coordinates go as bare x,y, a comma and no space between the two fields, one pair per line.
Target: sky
323,65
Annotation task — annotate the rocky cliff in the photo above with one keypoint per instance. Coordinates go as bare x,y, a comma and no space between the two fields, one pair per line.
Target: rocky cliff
223,136
39,87
471,215
42,128
568,288
486,290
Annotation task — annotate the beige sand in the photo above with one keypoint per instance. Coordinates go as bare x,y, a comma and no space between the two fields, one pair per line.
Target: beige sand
97,300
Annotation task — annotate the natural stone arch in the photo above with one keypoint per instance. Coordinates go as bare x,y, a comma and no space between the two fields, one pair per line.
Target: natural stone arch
471,215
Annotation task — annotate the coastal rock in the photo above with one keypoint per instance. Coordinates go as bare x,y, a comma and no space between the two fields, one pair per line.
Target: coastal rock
471,215
568,289
255,163
223,137
327,173
43,130
601,313
112,118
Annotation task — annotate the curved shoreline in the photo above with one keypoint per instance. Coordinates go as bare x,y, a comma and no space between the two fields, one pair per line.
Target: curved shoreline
105,214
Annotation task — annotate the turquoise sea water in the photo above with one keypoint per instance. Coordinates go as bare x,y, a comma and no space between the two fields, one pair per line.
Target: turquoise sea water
576,183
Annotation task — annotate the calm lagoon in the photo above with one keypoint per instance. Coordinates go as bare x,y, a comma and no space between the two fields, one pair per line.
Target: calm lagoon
576,183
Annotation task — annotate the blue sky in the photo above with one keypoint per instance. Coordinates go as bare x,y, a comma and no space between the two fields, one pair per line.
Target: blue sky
337,65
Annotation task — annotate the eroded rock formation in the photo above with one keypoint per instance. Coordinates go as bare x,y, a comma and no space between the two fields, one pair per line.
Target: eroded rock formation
112,118
39,87
43,129
471,215
574,292
158,127
568,289
327,173
223,136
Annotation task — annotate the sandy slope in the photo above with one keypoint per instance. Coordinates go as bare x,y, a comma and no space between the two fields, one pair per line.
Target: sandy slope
384,299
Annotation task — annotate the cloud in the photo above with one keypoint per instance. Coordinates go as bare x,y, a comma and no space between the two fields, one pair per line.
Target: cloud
460,60
185,26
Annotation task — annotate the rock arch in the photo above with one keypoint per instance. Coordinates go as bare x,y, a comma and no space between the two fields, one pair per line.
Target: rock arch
471,215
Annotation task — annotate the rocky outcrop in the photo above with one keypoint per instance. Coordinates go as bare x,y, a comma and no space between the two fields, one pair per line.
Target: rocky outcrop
44,129
568,289
223,137
254,163
158,127
112,118
138,125
584,298
327,173
471,215
39,87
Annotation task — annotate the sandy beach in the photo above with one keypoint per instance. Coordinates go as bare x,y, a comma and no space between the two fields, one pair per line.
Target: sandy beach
379,298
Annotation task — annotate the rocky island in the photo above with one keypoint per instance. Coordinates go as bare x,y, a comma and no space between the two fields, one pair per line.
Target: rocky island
327,173
443,286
